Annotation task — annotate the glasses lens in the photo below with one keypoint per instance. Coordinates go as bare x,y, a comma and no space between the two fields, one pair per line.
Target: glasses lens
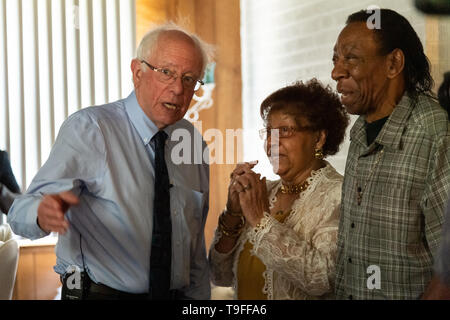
282,132
285,132
267,133
166,75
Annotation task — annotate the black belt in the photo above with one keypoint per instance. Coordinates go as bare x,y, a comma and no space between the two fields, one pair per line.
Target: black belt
98,288
92,290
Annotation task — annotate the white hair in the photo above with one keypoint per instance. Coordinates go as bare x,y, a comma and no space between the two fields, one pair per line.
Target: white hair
149,41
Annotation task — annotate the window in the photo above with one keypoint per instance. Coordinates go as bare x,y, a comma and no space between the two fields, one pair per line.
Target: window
57,56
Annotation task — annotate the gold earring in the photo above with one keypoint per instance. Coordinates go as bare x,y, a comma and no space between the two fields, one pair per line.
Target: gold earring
318,153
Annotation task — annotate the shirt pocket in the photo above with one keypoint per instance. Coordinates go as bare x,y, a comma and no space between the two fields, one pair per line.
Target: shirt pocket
396,219
188,209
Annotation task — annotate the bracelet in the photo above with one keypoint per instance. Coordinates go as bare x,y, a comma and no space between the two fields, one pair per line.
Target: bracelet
230,234
236,228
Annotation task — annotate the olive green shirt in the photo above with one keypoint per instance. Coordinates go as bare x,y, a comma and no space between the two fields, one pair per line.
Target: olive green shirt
393,200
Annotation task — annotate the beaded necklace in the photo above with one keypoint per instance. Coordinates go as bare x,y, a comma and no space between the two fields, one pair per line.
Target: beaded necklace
295,189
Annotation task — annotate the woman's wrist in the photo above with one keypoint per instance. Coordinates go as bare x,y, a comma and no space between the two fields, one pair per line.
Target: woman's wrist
235,229
233,213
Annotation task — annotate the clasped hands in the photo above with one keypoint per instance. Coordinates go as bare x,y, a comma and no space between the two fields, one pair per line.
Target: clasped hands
247,193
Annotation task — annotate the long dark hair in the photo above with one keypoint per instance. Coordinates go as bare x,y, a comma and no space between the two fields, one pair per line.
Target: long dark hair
397,32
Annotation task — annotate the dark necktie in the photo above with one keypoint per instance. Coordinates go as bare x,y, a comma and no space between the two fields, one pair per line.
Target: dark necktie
161,254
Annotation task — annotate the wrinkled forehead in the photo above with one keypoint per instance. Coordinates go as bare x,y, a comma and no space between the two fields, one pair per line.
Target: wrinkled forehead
356,35
176,47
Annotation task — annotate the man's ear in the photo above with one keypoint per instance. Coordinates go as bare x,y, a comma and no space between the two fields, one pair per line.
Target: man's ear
136,69
396,63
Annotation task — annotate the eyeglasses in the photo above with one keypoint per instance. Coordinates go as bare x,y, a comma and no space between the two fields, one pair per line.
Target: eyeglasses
283,132
190,82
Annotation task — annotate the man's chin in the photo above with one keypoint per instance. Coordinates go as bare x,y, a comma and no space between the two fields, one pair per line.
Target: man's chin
350,103
352,108
172,118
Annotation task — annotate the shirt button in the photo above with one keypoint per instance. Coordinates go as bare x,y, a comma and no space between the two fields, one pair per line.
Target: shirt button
353,225
350,297
349,260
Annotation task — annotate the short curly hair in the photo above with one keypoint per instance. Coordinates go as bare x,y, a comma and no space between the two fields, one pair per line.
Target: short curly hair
316,103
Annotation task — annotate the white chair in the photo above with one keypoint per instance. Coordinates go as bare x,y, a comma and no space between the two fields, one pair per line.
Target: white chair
9,258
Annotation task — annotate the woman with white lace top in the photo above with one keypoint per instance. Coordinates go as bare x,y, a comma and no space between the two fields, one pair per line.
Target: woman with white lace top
277,239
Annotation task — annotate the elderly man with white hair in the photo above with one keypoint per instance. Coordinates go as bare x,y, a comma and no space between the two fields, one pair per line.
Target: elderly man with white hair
130,217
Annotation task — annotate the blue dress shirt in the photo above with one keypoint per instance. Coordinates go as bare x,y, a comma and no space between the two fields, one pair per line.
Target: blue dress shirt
104,155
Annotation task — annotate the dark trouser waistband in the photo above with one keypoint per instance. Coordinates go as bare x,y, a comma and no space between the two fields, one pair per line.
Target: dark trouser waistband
97,291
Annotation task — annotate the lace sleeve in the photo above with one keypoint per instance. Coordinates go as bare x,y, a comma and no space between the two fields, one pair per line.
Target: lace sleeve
308,264
221,264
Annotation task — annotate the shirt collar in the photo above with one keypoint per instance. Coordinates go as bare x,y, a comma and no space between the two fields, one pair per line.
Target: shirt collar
141,122
392,131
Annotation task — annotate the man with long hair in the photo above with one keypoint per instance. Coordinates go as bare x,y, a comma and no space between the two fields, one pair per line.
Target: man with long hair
397,176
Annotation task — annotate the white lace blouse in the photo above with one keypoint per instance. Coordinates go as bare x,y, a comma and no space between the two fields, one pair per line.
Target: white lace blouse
300,253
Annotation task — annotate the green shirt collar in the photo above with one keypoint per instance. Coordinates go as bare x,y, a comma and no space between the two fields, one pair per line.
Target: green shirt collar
392,131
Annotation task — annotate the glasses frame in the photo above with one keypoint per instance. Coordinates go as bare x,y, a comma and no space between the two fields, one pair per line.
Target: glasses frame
174,76
263,133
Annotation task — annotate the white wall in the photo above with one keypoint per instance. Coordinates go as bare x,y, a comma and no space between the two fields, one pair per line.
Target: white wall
287,40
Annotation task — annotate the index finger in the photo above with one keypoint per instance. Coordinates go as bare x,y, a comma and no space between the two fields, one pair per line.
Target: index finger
251,164
65,199
69,198
244,167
